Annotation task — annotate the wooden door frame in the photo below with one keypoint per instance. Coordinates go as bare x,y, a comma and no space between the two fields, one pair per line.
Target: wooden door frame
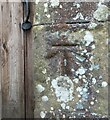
28,68
16,83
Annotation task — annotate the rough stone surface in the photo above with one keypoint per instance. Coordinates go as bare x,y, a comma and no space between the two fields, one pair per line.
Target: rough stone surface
70,64
71,11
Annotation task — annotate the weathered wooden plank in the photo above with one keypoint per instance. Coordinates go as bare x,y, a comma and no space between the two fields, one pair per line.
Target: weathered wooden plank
28,71
12,61
0,62
16,57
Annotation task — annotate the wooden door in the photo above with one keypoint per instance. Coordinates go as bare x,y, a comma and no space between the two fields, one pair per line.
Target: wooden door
70,60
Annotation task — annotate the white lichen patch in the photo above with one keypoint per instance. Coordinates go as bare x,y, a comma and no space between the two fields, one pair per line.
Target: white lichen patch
47,80
94,66
45,98
72,70
93,46
107,41
101,14
79,89
68,107
80,77
80,58
76,80
48,15
88,38
85,51
54,3
60,6
44,71
92,103
100,2
52,108
85,90
65,62
63,105
84,80
46,7
97,91
64,116
40,88
91,59
37,1
79,95
104,84
77,5
79,16
94,80
64,88
92,25
81,71
42,114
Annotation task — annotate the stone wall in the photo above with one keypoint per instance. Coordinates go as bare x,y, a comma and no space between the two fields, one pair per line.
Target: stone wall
71,59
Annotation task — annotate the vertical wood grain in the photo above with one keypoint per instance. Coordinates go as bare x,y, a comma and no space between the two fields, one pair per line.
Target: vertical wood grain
28,76
0,62
16,63
12,61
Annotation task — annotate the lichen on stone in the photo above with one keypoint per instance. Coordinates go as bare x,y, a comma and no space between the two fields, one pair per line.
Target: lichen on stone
37,1
44,98
92,25
104,84
42,114
40,88
88,38
79,16
101,14
81,71
64,88
54,3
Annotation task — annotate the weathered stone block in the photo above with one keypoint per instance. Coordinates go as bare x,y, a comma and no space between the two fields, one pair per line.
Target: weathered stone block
71,65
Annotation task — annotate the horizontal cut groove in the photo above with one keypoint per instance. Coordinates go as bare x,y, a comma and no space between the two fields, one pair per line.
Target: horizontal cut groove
65,45
69,23
62,49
